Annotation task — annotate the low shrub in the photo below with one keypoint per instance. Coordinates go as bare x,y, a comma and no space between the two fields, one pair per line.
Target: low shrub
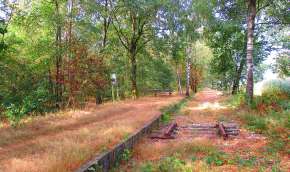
276,89
273,124
168,164
38,101
173,164
249,162
275,97
216,158
255,123
237,99
126,155
147,167
166,117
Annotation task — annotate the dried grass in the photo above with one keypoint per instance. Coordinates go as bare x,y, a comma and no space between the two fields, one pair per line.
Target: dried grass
245,145
63,143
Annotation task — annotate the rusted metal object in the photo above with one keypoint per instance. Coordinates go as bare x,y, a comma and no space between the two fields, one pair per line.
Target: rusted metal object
162,137
170,129
168,132
222,131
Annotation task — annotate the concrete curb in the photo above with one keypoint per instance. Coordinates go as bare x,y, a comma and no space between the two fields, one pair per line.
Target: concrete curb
105,161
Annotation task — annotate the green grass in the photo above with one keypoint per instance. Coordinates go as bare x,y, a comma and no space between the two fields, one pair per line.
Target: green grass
173,109
270,115
210,160
272,122
237,99
167,164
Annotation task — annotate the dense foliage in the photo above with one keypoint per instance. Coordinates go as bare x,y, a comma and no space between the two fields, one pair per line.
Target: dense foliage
62,53
57,54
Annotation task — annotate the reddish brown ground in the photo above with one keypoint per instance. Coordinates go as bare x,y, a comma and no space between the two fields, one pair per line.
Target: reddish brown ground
207,106
64,142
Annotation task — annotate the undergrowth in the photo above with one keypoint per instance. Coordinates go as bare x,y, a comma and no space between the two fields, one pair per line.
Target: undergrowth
172,109
203,159
268,115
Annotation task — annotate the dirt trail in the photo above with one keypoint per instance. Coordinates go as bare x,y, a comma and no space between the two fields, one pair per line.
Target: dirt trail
208,106
64,142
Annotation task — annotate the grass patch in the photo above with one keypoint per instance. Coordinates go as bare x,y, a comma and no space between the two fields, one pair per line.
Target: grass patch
173,109
236,100
268,115
216,158
167,164
275,125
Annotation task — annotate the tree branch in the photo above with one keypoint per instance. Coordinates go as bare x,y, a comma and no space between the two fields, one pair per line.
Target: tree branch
262,7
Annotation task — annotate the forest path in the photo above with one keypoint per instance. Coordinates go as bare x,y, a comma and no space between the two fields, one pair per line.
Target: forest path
207,106
64,142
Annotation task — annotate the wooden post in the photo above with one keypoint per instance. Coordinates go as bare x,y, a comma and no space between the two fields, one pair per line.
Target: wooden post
113,95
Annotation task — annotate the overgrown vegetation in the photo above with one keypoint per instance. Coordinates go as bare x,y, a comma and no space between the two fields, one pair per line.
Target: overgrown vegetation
203,158
269,115
62,54
65,54
173,109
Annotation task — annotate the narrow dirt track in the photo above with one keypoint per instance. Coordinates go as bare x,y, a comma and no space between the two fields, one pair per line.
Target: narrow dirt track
64,142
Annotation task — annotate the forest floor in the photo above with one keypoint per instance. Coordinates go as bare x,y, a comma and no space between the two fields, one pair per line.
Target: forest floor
191,152
64,141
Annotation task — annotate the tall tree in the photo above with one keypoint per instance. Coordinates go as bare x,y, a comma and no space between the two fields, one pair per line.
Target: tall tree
251,4
58,55
133,21
187,70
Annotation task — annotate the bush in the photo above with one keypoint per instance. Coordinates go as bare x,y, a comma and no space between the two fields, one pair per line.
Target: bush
172,164
275,96
215,158
250,162
168,164
255,123
275,89
237,99
147,167
37,101
165,118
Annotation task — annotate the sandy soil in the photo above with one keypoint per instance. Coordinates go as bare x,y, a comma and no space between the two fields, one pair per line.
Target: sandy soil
207,107
63,142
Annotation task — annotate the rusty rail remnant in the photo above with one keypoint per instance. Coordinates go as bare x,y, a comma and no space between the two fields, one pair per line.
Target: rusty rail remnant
168,132
223,129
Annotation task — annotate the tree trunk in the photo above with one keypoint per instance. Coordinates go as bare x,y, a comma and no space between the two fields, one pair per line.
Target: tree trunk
133,74
187,72
106,25
238,76
250,47
179,88
51,89
71,68
58,88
